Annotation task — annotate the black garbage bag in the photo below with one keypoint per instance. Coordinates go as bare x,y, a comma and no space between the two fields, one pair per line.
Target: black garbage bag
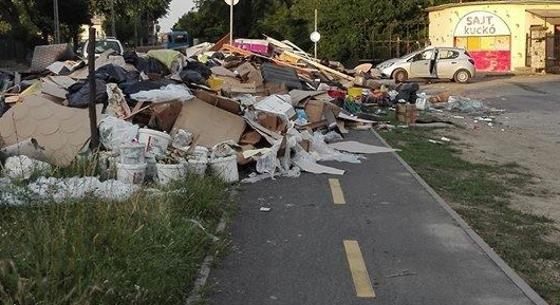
204,71
78,94
407,92
130,57
135,86
3,107
218,55
191,76
151,66
111,74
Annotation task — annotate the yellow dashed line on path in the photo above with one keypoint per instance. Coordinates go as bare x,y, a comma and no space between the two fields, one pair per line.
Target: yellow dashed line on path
360,275
336,190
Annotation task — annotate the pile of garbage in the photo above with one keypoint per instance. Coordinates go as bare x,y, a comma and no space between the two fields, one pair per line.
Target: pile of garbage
261,106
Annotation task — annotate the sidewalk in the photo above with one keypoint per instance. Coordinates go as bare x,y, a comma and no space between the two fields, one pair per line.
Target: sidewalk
387,230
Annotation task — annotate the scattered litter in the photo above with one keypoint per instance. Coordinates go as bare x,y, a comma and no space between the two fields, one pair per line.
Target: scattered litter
23,167
435,142
359,148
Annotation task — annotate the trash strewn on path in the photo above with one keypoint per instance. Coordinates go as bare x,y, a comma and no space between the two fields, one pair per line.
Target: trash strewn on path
259,106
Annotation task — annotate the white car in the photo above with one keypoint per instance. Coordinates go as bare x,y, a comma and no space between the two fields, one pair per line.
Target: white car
432,62
103,45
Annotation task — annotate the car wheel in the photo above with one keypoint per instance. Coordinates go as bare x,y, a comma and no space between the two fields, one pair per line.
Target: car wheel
400,76
462,76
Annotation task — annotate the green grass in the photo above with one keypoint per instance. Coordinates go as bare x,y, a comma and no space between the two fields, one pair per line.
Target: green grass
145,250
480,194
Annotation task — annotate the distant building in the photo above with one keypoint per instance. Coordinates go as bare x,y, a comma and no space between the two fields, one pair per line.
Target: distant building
501,36
97,23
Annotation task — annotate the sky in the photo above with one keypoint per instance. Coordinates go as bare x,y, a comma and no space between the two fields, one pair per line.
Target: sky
176,10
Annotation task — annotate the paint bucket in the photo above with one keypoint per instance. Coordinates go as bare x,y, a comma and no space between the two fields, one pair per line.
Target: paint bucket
131,173
154,141
132,154
226,168
167,173
201,153
197,166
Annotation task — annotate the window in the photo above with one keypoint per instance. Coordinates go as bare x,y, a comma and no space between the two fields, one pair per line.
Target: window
105,45
448,54
427,55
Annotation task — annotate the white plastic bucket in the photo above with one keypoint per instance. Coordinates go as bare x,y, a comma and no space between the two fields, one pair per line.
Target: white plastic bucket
132,154
226,168
131,173
167,173
154,141
197,166
201,153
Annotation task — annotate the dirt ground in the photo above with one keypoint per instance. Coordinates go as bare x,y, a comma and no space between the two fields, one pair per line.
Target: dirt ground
528,133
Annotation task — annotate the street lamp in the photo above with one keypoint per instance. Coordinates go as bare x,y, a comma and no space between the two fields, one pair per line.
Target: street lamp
315,36
231,3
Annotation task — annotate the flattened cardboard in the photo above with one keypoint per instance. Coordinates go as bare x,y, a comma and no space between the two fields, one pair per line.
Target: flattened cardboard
164,115
250,138
221,102
212,124
62,131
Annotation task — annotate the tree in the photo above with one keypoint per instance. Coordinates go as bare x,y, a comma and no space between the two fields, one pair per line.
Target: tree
134,19
349,28
72,14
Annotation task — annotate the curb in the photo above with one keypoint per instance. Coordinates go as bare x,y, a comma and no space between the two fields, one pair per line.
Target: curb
510,273
204,271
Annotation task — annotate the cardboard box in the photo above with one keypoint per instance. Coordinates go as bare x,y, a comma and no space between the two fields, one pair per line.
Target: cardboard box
211,124
314,111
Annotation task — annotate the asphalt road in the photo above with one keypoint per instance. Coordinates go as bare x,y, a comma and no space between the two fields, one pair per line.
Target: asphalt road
395,233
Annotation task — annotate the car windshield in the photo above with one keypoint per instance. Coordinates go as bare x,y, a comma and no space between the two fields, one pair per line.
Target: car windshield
409,55
180,38
104,45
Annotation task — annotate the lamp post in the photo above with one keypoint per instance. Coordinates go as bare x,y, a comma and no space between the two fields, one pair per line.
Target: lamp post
56,23
231,3
315,36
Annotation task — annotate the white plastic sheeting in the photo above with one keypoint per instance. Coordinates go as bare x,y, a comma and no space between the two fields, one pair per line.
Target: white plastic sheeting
115,132
169,93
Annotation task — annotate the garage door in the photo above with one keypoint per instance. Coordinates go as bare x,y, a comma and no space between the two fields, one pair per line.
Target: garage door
487,38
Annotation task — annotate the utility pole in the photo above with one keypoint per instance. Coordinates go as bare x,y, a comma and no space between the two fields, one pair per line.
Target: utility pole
113,28
56,23
94,143
231,22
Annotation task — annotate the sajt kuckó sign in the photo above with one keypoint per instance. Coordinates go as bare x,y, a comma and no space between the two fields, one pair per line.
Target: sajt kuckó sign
481,23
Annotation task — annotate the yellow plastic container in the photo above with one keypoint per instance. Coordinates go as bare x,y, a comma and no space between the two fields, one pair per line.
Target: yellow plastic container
355,91
215,83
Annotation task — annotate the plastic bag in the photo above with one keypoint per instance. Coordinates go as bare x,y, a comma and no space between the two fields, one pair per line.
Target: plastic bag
114,132
79,94
169,93
422,102
182,139
23,167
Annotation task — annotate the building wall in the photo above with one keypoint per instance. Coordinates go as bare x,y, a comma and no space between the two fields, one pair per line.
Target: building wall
97,23
444,21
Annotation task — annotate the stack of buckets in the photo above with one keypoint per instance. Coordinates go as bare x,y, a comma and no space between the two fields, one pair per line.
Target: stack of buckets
132,164
155,144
